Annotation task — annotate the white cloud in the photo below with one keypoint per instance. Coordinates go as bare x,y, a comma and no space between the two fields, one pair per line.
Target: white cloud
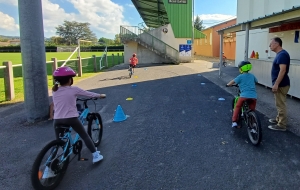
9,2
7,22
213,19
130,5
104,16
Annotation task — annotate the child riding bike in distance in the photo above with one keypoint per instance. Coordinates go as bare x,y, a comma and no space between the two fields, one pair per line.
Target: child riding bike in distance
246,82
64,100
133,61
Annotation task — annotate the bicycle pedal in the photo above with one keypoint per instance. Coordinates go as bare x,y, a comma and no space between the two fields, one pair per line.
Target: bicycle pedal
84,159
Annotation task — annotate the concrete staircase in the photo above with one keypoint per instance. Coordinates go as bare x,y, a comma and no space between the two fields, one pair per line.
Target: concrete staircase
145,39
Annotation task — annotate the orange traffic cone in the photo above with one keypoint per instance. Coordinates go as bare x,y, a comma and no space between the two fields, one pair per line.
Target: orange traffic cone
252,54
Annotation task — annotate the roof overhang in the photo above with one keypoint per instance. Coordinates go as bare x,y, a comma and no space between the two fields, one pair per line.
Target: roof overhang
153,12
275,19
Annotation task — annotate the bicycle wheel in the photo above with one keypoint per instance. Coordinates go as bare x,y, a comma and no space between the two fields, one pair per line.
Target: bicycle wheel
130,72
254,128
47,171
95,128
224,64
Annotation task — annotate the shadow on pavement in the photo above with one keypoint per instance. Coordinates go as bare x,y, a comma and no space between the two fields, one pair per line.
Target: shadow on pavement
178,135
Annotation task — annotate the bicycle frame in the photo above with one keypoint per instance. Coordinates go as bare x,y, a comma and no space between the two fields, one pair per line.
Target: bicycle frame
68,136
237,98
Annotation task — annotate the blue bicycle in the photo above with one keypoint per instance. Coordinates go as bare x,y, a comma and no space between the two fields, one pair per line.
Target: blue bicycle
53,160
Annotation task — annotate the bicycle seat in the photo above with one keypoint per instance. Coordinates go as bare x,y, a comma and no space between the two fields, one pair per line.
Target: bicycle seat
248,102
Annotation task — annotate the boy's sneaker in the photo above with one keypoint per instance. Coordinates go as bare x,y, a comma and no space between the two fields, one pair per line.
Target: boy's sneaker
97,157
273,121
234,124
48,173
276,128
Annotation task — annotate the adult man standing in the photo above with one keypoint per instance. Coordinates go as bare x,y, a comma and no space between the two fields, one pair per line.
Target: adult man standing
281,84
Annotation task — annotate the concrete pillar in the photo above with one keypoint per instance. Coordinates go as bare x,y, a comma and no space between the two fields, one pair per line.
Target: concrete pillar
246,41
221,52
9,81
33,60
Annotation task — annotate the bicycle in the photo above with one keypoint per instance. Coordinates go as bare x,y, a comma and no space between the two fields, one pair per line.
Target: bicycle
130,71
224,62
250,118
58,161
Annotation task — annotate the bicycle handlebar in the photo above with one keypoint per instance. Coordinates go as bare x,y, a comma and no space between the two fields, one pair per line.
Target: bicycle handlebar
236,85
86,99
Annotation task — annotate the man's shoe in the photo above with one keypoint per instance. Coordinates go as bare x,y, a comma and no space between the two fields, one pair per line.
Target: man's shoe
276,128
273,121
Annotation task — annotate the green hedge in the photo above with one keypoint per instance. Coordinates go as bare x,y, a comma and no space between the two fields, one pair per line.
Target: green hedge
11,49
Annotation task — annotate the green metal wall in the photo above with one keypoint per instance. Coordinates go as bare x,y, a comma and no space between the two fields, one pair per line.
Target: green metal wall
180,16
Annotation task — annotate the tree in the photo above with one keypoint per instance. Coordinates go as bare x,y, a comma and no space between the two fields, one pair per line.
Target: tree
117,39
57,40
198,24
106,41
72,31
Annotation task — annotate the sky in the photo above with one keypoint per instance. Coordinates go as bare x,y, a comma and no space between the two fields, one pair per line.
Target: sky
105,16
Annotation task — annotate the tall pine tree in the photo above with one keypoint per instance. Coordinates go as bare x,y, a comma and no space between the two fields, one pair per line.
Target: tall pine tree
198,24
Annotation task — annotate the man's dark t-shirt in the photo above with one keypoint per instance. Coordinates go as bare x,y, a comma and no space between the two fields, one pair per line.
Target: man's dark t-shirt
282,57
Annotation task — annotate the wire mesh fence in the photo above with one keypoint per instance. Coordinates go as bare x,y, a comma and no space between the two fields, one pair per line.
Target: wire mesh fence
88,66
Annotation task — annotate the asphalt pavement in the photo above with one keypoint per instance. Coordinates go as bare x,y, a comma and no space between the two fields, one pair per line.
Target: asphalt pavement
177,135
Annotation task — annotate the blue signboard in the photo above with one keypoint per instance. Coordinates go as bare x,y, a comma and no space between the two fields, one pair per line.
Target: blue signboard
189,41
185,50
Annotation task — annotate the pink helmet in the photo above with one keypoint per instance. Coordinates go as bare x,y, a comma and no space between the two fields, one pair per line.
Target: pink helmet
64,72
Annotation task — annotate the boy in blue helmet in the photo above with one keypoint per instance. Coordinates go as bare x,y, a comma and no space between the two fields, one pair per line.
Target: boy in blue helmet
246,82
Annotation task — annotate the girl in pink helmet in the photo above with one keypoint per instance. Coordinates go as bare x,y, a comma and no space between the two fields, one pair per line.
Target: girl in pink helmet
64,100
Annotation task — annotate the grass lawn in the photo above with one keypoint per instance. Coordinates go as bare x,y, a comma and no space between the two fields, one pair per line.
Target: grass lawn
16,58
87,69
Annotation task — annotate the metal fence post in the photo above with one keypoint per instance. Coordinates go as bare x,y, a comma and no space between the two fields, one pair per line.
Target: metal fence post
9,81
113,56
118,58
106,60
123,57
79,67
95,63
54,67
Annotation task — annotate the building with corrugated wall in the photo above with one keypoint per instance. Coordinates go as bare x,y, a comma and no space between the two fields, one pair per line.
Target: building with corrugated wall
166,35
210,45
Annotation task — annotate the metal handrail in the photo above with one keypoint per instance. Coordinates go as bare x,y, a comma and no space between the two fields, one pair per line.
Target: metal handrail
134,32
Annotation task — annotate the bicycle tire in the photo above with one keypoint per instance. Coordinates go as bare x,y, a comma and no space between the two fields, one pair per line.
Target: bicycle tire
94,117
258,129
36,183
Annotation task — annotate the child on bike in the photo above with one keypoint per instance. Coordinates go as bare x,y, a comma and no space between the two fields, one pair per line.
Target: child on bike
246,82
64,100
133,61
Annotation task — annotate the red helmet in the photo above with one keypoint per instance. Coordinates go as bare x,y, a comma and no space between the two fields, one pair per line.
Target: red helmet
64,72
